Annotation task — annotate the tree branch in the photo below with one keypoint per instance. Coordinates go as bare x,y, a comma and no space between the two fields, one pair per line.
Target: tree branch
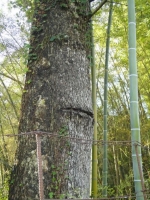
98,7
19,82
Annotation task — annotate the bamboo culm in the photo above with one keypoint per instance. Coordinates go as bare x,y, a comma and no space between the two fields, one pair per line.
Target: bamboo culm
134,110
94,147
105,162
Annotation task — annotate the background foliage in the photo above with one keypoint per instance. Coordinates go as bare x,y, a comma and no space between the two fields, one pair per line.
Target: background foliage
14,44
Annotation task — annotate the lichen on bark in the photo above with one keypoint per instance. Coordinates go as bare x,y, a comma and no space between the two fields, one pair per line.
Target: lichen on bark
57,100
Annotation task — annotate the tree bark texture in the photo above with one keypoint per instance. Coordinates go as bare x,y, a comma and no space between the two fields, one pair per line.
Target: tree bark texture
56,99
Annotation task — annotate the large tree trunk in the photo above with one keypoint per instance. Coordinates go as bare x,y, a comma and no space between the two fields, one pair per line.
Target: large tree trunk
56,99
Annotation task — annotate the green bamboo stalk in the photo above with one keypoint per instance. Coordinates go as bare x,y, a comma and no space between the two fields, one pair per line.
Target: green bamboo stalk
94,146
134,109
105,163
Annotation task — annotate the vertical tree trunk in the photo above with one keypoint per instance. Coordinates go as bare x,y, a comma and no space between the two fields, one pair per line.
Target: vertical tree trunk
56,99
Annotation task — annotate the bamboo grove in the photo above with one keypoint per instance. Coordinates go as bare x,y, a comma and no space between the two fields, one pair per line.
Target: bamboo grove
123,107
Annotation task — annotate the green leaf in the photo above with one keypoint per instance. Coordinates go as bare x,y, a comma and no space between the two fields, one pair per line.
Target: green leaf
27,45
53,166
51,194
53,38
63,5
54,173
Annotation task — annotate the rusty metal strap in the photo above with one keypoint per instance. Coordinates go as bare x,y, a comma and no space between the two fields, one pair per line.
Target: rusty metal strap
40,171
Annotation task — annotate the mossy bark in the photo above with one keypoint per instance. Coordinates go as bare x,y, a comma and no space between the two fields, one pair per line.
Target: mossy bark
56,99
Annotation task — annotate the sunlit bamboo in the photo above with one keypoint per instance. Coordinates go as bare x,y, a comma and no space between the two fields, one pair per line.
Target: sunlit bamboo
94,146
134,109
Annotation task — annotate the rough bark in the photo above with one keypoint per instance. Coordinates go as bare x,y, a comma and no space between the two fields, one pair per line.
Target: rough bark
56,99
